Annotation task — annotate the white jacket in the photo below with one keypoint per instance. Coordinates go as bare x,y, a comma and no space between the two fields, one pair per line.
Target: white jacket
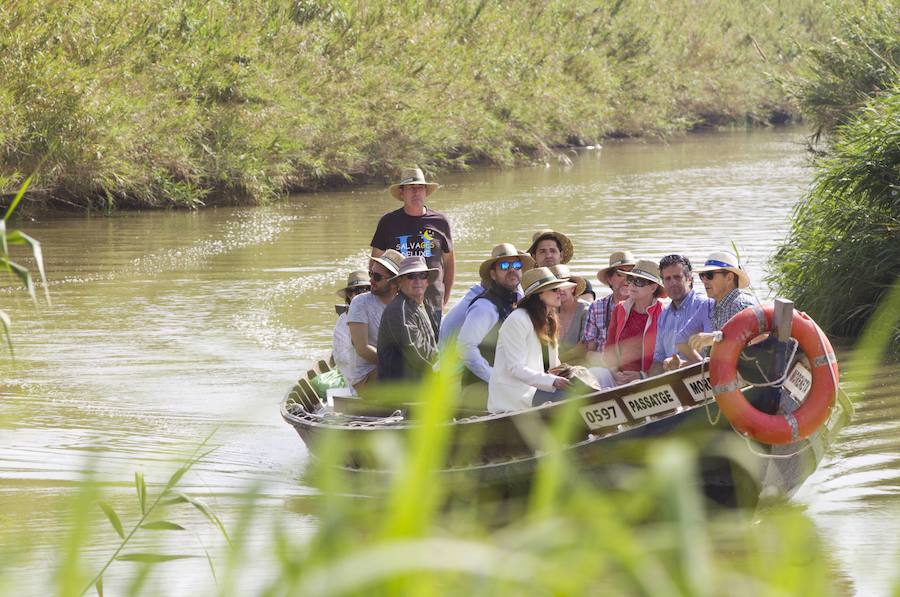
519,365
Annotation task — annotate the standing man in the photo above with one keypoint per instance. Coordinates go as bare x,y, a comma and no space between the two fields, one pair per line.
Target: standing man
687,306
407,338
724,278
364,317
501,275
596,321
416,230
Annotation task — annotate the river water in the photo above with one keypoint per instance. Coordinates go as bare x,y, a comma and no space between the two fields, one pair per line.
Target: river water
166,326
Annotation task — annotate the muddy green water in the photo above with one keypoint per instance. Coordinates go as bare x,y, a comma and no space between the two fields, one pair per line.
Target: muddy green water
165,326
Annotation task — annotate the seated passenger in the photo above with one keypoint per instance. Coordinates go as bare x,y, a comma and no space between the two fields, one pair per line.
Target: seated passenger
572,312
549,248
519,378
364,317
500,276
341,346
628,353
723,277
407,338
678,317
596,322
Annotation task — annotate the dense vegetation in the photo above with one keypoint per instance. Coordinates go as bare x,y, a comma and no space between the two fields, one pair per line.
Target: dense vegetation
843,252
183,102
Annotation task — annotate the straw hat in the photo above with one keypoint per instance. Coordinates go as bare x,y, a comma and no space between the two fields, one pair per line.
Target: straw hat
727,261
539,279
562,239
412,176
411,265
616,260
390,259
356,279
648,270
562,272
503,251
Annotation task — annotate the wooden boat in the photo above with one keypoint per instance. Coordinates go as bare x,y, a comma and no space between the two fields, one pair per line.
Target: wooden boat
611,429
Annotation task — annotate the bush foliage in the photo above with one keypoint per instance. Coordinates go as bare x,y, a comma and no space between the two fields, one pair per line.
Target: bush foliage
843,252
185,102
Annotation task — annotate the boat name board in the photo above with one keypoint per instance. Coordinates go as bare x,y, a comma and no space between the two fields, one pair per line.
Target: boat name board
653,401
603,414
798,382
699,386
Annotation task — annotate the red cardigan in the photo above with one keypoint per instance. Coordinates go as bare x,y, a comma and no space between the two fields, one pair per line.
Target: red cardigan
616,345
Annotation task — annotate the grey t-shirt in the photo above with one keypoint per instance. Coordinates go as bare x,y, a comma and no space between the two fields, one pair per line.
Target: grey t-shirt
365,308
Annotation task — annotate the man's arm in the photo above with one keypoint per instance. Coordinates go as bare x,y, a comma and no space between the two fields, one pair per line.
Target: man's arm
359,336
448,260
479,320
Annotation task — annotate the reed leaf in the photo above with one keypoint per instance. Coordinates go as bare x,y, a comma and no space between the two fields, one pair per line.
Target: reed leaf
113,518
162,525
141,489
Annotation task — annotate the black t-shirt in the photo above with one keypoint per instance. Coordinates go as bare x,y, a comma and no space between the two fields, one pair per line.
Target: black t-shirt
427,235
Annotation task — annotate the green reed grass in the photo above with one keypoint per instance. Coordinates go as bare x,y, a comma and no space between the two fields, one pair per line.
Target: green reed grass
842,256
192,102
858,63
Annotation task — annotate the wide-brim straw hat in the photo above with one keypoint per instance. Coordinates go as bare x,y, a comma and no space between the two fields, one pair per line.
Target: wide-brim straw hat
616,260
356,279
563,273
727,261
410,176
539,279
503,251
411,265
390,259
567,250
648,270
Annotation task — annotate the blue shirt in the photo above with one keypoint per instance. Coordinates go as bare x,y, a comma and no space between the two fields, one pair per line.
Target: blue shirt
453,321
677,324
720,312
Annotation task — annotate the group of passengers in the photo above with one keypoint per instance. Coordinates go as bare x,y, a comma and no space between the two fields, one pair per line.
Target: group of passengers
527,316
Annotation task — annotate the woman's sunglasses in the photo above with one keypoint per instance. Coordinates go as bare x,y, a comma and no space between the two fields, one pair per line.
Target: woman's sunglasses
639,282
507,265
358,290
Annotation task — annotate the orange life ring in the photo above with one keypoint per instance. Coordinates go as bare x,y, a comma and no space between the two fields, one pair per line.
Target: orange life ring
765,428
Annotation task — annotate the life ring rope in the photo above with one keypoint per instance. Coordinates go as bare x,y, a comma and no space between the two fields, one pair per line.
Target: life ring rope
783,428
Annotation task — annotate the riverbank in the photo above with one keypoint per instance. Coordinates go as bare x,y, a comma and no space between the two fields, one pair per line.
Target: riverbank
191,103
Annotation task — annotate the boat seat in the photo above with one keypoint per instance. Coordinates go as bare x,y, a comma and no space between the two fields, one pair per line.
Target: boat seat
308,396
323,367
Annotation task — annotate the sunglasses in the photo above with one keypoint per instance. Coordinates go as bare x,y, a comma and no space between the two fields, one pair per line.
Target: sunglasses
376,277
639,282
358,290
508,265
416,276
711,275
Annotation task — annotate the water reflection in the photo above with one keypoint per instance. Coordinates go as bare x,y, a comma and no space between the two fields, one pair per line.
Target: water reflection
167,325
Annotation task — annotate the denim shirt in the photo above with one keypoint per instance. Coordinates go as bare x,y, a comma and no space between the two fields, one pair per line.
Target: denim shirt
733,303
682,321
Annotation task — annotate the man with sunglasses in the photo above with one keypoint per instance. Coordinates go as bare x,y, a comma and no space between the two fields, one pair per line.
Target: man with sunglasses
407,337
686,313
364,317
500,275
724,280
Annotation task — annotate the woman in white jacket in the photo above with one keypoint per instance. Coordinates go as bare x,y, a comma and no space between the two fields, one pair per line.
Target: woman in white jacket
519,378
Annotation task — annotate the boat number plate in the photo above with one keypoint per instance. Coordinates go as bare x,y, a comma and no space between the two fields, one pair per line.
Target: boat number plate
699,386
798,382
603,414
655,400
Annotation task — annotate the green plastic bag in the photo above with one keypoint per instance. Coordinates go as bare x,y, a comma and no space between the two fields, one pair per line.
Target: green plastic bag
329,380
